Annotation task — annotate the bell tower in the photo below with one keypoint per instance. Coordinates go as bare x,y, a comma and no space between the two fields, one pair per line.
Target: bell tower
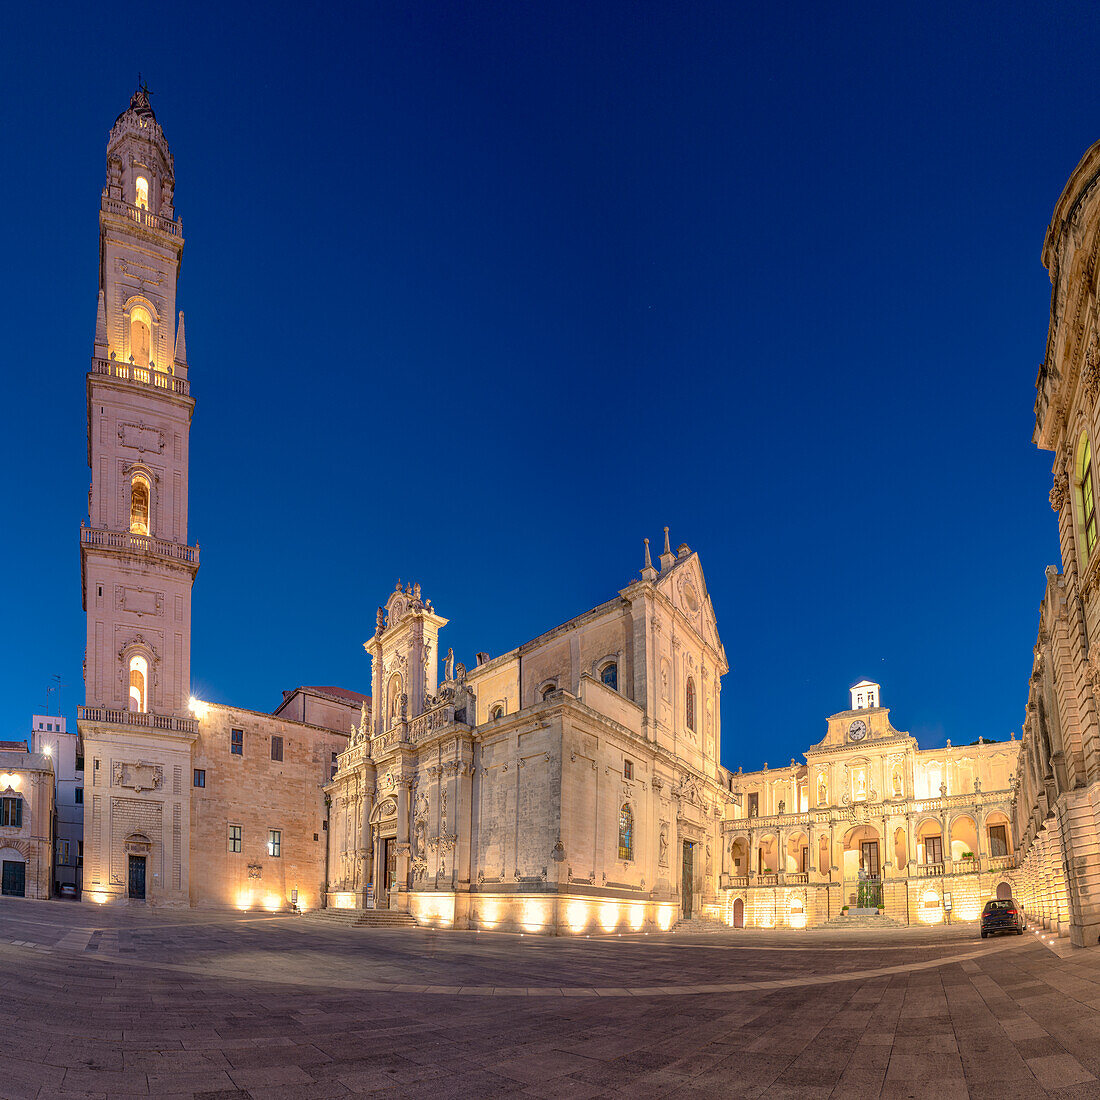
137,566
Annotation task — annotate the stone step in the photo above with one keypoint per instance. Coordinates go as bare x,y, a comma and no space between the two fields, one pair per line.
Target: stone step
862,920
699,924
364,918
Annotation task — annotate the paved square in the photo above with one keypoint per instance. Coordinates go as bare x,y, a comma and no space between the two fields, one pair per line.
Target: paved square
103,1002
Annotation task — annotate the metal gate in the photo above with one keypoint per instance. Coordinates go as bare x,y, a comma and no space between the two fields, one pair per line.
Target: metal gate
15,879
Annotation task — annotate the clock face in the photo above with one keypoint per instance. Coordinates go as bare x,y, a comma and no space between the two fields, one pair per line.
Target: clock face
857,731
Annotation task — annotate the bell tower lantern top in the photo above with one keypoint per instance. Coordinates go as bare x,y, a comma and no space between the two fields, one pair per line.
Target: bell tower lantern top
140,170
865,695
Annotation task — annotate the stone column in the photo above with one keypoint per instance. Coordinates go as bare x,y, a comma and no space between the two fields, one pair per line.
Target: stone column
403,841
366,806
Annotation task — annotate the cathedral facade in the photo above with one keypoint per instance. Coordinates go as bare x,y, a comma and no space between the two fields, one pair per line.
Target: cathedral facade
569,785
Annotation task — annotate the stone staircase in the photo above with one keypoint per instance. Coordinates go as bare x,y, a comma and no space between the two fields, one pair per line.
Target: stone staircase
699,924
363,918
862,918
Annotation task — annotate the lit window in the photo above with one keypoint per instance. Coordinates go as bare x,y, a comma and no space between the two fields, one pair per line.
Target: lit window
234,838
859,700
141,192
236,742
62,851
11,812
139,505
140,325
1088,499
274,842
626,833
689,705
628,769
276,748
139,678
610,675
200,777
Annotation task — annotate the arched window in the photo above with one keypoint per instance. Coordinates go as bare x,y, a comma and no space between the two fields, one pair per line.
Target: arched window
549,689
139,506
496,712
626,832
689,705
1087,497
140,325
139,680
141,192
610,675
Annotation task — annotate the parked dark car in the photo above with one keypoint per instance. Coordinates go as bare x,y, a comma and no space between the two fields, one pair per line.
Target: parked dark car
1002,915
67,890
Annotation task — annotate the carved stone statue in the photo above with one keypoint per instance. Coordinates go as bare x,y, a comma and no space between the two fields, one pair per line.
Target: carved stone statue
710,864
897,784
460,671
943,790
664,844
449,664
782,806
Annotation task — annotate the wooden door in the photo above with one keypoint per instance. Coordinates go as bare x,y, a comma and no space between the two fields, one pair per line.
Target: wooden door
391,871
687,882
738,913
869,863
137,878
1004,891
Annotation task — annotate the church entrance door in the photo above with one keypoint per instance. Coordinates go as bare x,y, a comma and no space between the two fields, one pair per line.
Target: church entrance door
137,878
389,861
688,879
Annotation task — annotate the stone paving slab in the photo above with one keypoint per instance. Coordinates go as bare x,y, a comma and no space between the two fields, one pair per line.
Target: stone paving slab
225,1005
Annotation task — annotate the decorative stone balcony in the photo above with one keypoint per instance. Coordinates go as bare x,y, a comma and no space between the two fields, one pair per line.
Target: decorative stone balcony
142,376
111,717
143,217
139,544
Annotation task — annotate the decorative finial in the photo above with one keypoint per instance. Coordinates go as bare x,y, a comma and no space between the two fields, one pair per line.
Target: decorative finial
648,572
667,558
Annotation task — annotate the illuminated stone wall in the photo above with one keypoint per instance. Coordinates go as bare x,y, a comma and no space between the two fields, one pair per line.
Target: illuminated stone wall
1057,784
260,794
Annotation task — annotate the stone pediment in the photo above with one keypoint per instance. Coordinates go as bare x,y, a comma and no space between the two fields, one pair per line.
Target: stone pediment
686,588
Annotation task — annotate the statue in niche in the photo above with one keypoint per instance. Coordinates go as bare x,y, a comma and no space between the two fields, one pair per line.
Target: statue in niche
418,849
897,784
710,863
782,806
663,859
449,665
822,792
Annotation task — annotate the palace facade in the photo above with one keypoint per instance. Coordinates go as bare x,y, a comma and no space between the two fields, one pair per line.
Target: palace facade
1057,782
870,821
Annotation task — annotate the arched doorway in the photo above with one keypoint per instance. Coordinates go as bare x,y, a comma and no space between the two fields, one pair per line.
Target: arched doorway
738,913
1004,891
14,867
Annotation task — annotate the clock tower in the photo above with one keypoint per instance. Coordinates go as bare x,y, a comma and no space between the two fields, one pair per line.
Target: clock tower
137,566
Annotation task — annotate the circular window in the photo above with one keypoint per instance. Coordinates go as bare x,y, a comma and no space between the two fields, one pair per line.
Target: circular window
690,598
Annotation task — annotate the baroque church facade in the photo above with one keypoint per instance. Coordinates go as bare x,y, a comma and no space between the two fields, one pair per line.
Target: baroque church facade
569,785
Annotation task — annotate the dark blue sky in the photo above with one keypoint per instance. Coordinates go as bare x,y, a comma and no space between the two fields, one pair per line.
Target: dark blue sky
480,294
